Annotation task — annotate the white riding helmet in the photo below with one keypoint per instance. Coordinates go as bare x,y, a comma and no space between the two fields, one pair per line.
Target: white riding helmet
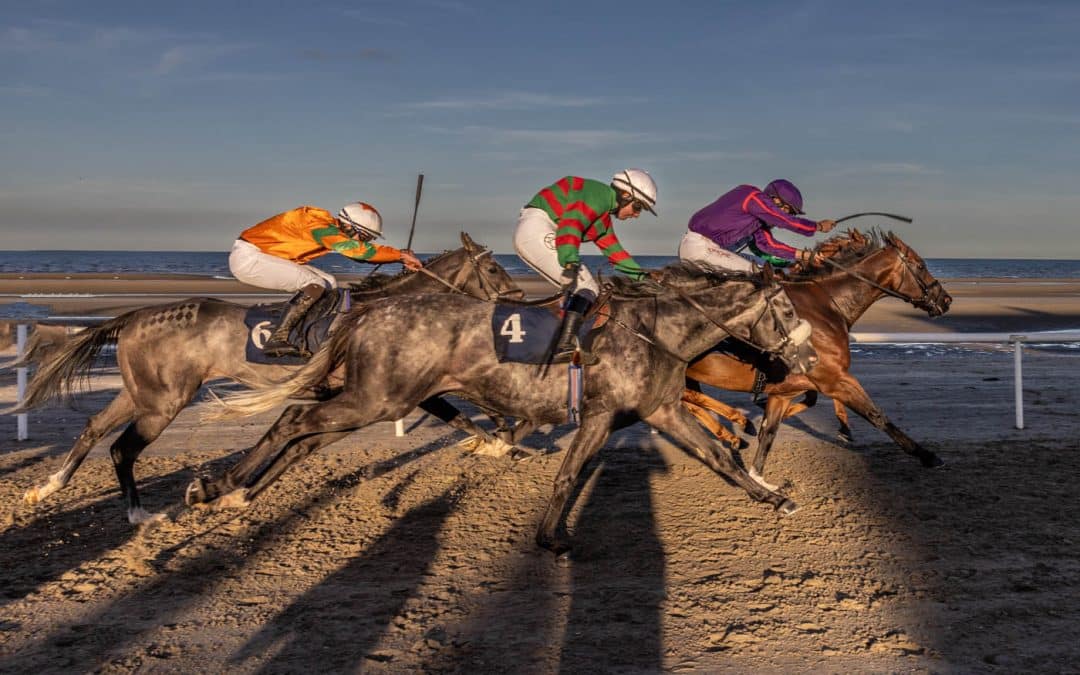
639,184
362,217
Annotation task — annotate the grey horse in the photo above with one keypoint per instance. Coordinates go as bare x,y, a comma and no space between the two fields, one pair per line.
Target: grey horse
398,352
167,352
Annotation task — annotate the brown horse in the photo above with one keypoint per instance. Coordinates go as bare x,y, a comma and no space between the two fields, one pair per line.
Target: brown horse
167,352
862,270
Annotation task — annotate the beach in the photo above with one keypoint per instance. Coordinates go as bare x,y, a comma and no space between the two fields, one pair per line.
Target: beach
980,304
388,554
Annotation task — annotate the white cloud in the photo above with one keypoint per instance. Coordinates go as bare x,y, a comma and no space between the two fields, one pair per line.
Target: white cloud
511,100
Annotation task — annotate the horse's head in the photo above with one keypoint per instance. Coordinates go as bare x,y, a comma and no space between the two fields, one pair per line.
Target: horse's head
755,310
913,281
472,269
778,329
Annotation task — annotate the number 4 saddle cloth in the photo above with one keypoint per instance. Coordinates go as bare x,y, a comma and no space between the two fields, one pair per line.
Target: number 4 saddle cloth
526,332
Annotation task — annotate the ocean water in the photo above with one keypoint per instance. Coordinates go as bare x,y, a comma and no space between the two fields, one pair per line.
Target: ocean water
216,264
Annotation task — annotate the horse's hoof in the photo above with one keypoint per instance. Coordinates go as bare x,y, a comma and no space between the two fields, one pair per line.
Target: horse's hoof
844,437
787,507
749,429
198,492
31,496
469,443
556,545
496,447
932,461
760,480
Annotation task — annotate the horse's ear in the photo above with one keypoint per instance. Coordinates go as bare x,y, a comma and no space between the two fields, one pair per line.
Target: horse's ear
768,274
467,242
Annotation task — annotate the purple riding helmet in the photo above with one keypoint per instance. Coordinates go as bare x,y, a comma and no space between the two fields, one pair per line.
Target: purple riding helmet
786,191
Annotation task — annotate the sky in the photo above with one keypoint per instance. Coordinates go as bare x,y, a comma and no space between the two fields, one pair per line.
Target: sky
174,126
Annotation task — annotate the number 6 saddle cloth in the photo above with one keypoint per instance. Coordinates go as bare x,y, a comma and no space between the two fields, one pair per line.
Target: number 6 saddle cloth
311,332
525,332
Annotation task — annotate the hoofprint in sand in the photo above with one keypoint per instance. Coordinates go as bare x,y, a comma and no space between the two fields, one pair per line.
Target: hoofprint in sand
395,554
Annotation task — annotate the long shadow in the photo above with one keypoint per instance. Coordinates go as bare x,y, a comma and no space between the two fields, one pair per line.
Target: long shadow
183,587
55,542
617,575
337,624
602,606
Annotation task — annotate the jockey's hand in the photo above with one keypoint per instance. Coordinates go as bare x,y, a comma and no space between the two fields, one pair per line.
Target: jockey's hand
654,275
410,261
826,225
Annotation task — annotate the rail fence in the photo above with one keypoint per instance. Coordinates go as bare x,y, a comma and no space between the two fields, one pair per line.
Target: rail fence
1015,339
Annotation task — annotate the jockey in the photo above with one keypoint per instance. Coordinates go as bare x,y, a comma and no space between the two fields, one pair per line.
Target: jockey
553,224
744,218
274,254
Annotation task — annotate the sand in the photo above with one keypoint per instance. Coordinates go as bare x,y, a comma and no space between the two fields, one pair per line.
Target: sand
385,554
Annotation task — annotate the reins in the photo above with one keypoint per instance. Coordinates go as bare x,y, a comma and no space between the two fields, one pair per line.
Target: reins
705,313
888,291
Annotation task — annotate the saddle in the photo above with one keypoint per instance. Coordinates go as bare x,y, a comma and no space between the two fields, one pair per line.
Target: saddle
523,330
311,332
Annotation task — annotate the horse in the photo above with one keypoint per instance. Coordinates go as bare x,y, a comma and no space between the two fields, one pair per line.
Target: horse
167,352
397,353
864,269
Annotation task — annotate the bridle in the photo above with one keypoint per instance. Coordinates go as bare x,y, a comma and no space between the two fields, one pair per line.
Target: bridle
462,275
931,293
785,340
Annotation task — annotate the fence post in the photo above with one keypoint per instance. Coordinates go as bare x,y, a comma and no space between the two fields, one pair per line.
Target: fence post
1018,377
21,433
399,427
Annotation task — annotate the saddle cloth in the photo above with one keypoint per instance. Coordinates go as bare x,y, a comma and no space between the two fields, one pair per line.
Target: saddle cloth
525,333
311,332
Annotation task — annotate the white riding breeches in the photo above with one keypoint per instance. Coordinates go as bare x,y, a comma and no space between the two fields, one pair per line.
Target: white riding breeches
251,266
534,241
700,249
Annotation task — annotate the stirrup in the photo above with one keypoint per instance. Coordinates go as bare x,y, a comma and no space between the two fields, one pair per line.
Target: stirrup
586,358
283,349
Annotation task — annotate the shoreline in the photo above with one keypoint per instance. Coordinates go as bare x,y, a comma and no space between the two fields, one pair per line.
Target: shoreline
991,304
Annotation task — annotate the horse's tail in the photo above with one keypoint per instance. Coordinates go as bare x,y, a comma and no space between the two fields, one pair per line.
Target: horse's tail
313,373
67,369
43,343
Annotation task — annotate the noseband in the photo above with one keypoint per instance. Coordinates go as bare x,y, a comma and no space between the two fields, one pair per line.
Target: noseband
931,293
462,274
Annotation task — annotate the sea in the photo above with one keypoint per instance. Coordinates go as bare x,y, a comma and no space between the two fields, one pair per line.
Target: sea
215,264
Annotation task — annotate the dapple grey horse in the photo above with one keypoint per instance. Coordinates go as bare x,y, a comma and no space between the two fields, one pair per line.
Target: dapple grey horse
167,352
397,353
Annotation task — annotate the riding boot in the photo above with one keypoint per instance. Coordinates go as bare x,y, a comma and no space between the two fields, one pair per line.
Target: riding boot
574,315
278,344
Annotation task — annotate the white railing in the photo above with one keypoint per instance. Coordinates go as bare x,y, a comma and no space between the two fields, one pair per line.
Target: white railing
1016,339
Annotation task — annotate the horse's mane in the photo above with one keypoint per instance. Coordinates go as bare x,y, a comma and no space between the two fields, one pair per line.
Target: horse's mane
375,282
845,248
684,275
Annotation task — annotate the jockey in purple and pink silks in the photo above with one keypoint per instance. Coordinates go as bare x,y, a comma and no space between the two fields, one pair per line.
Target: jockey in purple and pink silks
744,219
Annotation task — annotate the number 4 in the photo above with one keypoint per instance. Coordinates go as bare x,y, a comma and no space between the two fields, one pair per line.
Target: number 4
512,328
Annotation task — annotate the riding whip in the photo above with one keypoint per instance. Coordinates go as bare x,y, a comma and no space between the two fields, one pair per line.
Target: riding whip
412,228
874,213
416,207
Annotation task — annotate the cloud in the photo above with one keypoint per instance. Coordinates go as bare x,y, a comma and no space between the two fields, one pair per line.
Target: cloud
512,100
365,17
365,54
887,168
581,138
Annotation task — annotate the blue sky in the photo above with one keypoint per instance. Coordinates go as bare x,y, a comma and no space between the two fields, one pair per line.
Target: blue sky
172,126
